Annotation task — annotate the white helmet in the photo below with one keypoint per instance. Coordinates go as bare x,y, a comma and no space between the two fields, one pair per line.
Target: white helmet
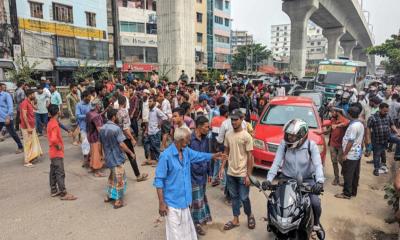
296,127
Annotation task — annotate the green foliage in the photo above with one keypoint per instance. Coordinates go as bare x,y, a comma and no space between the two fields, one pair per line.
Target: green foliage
107,74
84,72
23,70
257,52
390,50
391,196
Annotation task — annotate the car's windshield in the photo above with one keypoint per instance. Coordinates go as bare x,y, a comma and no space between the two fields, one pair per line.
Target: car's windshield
280,115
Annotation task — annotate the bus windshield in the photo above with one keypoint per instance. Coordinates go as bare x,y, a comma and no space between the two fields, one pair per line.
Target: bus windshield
336,74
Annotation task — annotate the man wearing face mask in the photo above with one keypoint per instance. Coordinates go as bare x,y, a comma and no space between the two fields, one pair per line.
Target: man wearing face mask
382,130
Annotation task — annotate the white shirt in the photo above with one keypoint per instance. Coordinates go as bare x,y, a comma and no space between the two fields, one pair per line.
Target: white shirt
145,111
225,127
166,108
354,133
281,91
116,105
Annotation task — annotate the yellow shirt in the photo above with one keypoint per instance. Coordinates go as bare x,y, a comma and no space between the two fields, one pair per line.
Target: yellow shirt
239,143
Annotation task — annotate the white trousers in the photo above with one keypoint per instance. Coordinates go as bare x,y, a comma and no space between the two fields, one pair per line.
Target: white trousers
179,225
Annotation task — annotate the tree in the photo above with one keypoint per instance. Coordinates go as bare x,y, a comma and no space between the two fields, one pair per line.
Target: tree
84,72
23,70
390,50
253,54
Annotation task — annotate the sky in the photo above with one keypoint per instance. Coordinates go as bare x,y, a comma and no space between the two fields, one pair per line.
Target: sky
257,16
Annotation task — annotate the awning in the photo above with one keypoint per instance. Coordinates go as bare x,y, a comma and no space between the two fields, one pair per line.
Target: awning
268,69
139,67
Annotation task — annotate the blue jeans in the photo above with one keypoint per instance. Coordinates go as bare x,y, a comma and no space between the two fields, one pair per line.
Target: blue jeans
155,142
379,154
395,139
217,166
239,193
41,121
11,130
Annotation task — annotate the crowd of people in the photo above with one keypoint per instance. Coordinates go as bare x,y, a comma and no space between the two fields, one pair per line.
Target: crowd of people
194,135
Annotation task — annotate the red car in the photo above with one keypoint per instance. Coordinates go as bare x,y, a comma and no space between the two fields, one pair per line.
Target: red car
268,132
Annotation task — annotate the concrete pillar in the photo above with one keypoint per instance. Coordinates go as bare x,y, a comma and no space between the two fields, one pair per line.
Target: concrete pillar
176,38
348,47
357,53
333,35
370,60
299,13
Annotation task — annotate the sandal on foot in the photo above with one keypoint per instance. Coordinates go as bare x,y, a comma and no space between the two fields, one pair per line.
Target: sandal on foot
118,204
230,225
145,163
251,222
342,196
29,165
68,197
200,230
108,200
142,177
55,194
99,174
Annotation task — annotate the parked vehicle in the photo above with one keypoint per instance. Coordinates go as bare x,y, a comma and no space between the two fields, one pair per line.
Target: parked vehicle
338,72
316,96
268,132
289,215
307,83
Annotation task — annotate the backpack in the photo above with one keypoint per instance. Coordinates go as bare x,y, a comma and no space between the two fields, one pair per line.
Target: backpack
308,148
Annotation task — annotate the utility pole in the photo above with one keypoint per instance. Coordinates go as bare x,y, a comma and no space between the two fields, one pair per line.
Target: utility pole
116,40
14,25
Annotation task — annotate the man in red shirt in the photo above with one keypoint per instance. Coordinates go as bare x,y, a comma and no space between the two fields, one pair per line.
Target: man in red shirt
56,154
31,142
338,129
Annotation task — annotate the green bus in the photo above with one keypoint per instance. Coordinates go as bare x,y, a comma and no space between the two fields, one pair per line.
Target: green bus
338,72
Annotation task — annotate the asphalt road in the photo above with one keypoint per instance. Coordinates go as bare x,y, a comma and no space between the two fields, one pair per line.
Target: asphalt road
28,212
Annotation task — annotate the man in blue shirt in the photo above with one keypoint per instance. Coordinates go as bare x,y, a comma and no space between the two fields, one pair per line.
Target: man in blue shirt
7,115
201,172
112,139
174,187
82,108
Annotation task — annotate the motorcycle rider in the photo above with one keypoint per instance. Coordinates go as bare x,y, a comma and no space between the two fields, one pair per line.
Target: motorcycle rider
296,155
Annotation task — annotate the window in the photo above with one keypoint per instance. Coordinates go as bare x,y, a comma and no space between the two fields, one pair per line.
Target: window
285,27
199,17
312,50
285,39
284,44
66,47
277,34
276,49
36,9
151,54
226,22
312,43
62,13
226,4
221,39
199,37
219,20
319,43
90,19
277,28
219,4
132,27
286,33
286,49
151,28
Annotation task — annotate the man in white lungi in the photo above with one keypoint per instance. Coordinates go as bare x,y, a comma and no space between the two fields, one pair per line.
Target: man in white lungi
174,186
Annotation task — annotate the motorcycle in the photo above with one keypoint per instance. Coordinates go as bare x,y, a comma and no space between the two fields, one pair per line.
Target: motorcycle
290,215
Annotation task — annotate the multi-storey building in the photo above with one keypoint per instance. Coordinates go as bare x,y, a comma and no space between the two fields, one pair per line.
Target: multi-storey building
5,30
241,38
62,35
219,34
280,42
138,35
201,34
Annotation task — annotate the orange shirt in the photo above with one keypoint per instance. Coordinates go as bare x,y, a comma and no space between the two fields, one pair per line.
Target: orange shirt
54,138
